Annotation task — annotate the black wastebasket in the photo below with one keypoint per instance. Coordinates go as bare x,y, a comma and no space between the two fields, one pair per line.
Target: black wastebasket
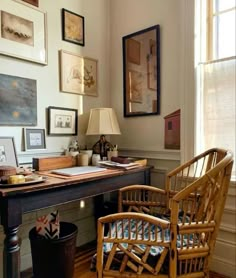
54,257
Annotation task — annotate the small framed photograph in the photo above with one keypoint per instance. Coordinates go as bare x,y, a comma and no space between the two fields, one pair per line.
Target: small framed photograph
8,152
35,139
62,121
72,27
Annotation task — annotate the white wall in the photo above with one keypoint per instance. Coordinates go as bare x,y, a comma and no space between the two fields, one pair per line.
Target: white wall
97,30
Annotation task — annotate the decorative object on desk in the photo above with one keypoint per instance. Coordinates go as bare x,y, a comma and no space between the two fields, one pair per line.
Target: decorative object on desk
8,152
141,72
95,159
89,153
73,27
34,139
18,105
73,148
82,159
62,121
172,130
111,154
102,121
23,32
78,75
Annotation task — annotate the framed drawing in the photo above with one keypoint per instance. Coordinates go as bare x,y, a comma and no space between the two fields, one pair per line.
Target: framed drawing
34,139
78,75
8,152
73,27
141,72
18,105
23,32
62,121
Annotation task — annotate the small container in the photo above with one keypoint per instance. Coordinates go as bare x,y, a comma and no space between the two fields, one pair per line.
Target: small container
110,154
82,159
95,159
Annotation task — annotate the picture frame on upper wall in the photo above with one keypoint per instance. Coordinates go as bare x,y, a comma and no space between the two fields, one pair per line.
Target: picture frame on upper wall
30,2
141,72
23,33
18,105
34,139
62,121
8,154
73,27
78,75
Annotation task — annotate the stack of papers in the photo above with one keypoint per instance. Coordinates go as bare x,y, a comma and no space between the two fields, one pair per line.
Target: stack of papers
112,164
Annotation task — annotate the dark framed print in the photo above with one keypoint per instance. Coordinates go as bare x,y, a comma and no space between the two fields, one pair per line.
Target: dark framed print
34,139
141,72
73,27
62,121
8,152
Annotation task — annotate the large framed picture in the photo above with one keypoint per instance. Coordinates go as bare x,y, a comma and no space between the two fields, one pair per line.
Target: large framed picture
34,139
23,32
141,72
8,152
78,75
73,27
62,121
18,105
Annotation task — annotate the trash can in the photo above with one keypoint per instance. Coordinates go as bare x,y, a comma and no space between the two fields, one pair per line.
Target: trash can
54,257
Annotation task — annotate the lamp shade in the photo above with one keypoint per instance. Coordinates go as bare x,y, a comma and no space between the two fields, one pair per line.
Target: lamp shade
102,121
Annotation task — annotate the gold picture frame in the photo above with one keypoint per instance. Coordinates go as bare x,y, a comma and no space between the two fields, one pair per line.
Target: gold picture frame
78,75
28,42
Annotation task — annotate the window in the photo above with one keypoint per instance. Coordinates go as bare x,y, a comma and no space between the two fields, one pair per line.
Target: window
216,75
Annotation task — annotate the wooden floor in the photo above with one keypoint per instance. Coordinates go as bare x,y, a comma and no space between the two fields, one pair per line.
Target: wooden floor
82,264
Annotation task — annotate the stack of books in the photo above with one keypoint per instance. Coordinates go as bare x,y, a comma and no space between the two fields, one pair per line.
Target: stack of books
124,163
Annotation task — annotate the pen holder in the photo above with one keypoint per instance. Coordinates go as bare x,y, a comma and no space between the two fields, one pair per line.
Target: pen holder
111,153
82,159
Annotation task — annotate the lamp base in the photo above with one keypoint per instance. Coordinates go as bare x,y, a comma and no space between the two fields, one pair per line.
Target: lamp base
102,146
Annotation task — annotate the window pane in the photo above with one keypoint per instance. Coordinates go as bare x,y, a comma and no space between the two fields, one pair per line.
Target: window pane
218,102
221,5
224,35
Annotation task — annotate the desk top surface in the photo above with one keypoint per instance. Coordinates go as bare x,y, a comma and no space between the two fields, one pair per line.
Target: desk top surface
55,180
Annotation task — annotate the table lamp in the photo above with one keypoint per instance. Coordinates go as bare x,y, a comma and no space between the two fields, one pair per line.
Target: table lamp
102,121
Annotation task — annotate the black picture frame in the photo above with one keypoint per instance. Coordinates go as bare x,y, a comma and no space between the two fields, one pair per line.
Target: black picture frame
8,154
35,139
141,72
73,27
62,121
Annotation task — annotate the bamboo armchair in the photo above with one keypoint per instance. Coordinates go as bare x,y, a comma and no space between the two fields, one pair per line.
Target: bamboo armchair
171,232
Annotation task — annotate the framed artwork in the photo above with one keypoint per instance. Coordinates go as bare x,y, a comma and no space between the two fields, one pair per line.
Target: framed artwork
73,27
18,105
31,2
23,32
78,75
34,139
141,72
62,121
8,152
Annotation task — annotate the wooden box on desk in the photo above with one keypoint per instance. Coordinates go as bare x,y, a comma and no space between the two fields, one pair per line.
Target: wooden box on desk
51,163
172,130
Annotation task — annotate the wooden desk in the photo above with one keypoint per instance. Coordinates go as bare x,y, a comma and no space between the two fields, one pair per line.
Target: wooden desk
18,200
